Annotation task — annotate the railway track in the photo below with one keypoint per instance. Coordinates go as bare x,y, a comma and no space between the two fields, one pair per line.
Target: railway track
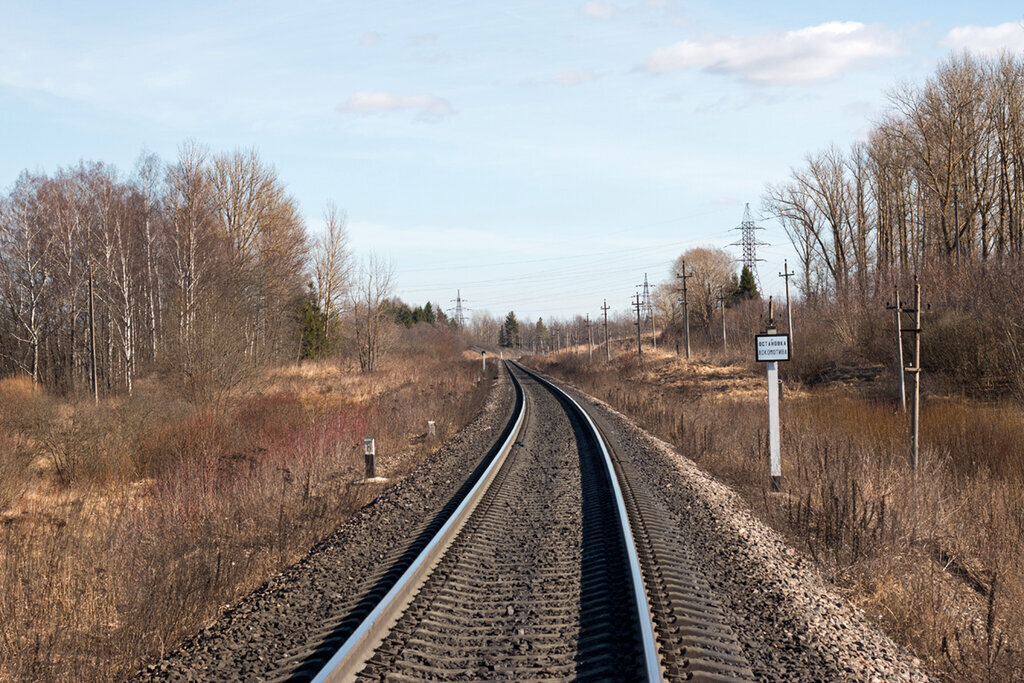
553,565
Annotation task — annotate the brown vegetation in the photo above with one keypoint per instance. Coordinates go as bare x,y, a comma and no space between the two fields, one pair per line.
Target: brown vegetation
936,556
126,526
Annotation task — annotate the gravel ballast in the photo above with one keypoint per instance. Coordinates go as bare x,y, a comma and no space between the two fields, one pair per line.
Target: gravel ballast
274,621
788,622
791,625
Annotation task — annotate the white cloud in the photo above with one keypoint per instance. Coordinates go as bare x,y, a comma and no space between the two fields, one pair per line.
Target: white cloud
597,10
806,54
367,102
573,77
989,41
370,39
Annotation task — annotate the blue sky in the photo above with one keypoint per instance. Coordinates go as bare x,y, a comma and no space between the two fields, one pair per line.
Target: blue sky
538,156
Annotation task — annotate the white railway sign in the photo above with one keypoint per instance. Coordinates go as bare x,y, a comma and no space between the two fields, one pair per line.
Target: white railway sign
772,347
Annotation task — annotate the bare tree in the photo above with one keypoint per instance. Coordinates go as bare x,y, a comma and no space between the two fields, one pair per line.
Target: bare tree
263,230
149,188
712,268
189,207
371,327
25,276
332,266
792,205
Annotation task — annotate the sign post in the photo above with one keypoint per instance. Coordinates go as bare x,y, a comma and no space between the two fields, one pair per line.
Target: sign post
771,348
370,453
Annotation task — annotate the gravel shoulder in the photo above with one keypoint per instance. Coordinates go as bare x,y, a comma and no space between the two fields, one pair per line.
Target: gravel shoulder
274,621
791,625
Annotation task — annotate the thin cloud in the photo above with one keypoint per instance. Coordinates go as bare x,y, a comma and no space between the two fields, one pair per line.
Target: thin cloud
988,41
367,102
570,78
597,10
799,56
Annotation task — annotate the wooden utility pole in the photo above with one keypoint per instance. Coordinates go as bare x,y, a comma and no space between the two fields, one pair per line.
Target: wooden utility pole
684,276
899,349
92,342
654,328
721,303
590,340
637,305
607,352
789,309
915,415
915,370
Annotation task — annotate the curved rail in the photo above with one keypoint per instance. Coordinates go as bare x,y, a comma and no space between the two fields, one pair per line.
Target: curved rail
357,650
652,665
354,652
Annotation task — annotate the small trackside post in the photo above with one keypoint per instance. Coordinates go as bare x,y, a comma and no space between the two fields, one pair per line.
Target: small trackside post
370,455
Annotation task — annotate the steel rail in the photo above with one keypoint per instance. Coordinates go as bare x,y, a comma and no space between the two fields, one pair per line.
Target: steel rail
652,663
350,658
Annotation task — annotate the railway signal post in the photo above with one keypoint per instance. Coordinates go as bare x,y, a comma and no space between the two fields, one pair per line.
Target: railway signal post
771,348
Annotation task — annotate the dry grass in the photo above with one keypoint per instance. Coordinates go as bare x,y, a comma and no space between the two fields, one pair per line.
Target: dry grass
936,556
128,526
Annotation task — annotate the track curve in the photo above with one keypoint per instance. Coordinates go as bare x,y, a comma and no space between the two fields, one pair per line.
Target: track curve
553,566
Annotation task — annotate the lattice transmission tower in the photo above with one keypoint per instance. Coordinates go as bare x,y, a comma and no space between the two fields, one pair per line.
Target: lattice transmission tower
458,314
647,303
648,310
749,243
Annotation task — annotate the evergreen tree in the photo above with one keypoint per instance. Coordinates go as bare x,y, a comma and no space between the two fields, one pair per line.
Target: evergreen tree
314,330
747,288
508,335
427,315
543,336
401,313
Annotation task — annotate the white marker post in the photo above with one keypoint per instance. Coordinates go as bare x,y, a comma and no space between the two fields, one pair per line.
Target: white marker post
771,348
370,453
483,357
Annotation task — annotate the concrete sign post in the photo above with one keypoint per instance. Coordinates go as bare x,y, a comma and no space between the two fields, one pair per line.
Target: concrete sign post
370,453
770,349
